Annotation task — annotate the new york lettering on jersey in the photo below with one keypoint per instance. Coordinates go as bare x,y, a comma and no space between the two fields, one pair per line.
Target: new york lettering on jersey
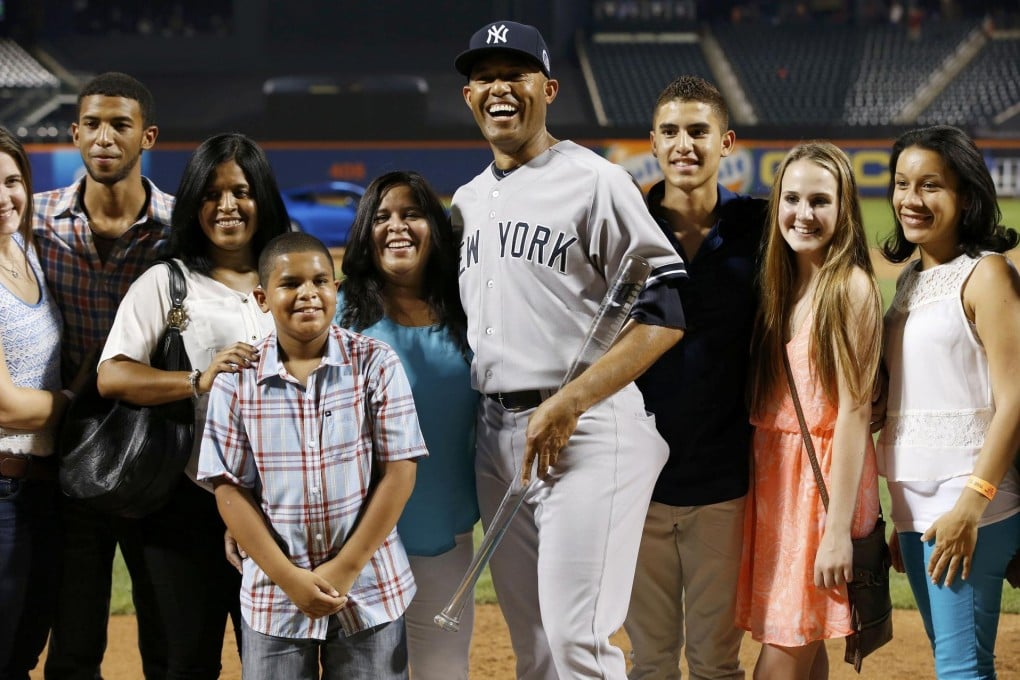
537,244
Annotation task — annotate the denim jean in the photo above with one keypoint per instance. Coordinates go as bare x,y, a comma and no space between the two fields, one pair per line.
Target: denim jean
962,620
29,570
378,653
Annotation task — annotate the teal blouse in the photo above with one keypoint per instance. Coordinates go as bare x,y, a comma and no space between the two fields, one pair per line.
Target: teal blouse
443,503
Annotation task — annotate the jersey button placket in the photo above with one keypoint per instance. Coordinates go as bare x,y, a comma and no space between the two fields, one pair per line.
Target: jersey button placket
492,301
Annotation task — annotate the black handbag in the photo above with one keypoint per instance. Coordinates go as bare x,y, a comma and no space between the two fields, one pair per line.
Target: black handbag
124,459
870,601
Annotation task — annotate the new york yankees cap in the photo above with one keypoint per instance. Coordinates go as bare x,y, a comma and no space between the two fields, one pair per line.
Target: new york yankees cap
504,36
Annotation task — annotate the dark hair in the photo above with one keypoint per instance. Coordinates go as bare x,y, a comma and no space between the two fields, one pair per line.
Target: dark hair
980,220
694,89
187,240
10,145
363,282
284,244
115,84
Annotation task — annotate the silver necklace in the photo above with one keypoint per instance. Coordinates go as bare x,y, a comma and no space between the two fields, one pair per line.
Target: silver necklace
10,270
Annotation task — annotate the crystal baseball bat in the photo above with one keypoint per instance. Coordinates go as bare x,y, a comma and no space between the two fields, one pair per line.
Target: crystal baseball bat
612,314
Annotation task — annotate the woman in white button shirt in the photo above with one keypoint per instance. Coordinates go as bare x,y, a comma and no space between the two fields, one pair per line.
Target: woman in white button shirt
227,208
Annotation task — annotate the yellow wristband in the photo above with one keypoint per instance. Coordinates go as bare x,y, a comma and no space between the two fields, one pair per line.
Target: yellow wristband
981,486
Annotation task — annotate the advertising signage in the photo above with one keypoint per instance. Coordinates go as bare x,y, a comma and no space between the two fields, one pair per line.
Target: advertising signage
749,169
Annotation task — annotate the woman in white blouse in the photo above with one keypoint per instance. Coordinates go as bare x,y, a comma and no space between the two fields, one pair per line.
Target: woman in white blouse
227,208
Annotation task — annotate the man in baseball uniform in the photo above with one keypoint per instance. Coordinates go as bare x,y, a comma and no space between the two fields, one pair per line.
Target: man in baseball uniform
545,228
685,584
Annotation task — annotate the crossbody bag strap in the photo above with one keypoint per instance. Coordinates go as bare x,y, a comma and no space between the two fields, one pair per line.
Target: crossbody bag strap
808,444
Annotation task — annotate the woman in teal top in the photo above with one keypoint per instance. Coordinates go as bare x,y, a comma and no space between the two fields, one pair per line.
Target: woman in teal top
400,286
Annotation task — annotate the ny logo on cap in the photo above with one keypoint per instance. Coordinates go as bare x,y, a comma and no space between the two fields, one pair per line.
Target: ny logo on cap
497,34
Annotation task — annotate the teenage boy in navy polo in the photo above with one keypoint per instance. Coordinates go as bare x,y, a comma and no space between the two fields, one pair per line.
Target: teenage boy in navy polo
312,450
684,591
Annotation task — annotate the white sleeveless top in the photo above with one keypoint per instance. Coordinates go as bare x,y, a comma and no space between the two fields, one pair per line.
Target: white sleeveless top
940,398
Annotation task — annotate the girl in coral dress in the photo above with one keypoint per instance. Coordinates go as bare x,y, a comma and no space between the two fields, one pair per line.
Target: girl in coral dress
820,304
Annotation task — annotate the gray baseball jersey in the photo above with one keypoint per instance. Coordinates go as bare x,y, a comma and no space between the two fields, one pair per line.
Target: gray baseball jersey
538,250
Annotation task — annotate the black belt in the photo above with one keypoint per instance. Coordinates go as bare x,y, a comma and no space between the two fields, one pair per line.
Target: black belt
13,466
517,401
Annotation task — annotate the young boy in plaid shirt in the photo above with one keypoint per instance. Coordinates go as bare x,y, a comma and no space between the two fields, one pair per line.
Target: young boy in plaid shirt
312,449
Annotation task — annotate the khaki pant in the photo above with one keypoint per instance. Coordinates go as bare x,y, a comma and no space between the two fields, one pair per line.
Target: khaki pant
685,589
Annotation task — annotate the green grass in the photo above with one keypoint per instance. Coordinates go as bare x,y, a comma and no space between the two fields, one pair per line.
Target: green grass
902,598
484,592
120,596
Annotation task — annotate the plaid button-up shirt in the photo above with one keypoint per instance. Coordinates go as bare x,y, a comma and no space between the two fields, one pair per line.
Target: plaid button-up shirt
308,453
88,290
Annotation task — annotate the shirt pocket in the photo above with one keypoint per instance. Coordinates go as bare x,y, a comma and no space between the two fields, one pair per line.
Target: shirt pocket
344,428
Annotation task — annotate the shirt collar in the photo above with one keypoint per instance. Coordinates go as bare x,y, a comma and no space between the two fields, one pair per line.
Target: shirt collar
159,209
658,192
270,365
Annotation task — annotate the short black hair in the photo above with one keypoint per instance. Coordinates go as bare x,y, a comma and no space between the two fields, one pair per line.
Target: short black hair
688,88
114,84
284,244
980,225
187,240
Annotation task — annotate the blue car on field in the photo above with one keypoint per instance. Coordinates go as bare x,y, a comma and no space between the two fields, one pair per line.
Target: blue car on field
326,211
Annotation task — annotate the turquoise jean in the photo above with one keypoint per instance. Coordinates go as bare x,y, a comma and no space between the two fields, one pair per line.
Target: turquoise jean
962,620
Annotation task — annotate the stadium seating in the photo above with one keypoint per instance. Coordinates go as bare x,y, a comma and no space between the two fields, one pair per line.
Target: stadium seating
793,73
892,67
989,85
629,75
25,85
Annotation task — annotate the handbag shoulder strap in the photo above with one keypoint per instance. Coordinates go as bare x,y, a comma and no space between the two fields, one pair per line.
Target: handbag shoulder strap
808,444
178,291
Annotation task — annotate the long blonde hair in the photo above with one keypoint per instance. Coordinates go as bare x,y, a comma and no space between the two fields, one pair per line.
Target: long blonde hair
832,347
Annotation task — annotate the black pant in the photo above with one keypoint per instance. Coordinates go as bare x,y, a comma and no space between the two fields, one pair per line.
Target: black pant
78,636
195,587
182,585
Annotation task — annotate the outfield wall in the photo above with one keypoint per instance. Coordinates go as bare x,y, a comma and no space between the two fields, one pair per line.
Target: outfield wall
447,165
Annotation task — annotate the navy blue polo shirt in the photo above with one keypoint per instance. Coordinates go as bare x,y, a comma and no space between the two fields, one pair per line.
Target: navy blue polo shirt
697,389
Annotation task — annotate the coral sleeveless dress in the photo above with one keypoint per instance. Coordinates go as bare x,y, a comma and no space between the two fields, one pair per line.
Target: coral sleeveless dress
777,600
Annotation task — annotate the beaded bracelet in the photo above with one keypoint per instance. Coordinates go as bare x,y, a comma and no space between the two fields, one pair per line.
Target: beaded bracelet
982,487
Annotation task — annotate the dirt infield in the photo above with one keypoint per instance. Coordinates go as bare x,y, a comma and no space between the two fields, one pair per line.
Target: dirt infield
907,657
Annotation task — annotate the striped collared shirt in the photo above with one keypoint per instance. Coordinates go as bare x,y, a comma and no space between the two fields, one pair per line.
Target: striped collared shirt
309,455
88,290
